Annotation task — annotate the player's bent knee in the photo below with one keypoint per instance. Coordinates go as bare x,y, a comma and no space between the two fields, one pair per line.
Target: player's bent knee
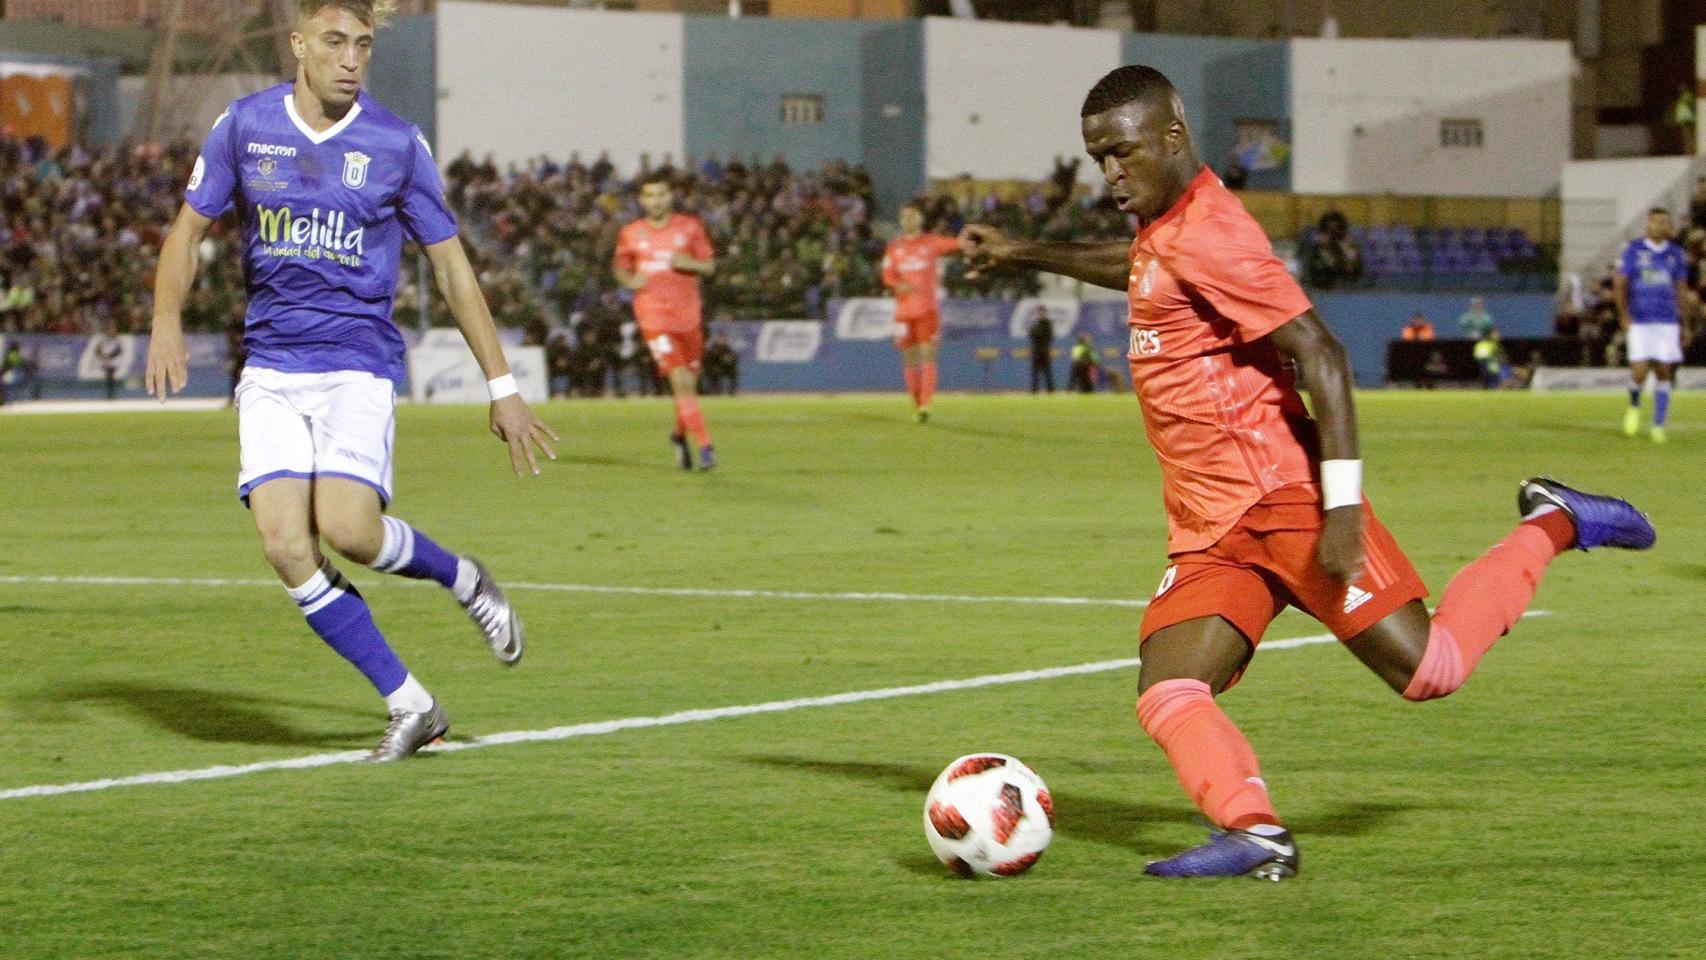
289,552
1442,670
354,539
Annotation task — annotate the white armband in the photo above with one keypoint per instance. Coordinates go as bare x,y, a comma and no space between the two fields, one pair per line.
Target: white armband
503,386
1341,483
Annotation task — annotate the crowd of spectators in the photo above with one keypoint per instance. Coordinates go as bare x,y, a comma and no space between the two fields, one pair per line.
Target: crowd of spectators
81,232
81,235
787,241
82,229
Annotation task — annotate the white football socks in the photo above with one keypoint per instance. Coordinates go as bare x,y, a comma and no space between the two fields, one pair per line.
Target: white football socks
411,697
467,578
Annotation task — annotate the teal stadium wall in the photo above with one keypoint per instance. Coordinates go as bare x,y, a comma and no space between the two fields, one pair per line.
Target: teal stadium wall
736,72
892,131
404,74
1222,81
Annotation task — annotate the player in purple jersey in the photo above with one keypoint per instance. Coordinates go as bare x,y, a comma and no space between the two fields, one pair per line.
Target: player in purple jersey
1650,287
328,183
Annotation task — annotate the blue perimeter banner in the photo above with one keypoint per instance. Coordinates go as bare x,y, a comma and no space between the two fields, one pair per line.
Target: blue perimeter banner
985,343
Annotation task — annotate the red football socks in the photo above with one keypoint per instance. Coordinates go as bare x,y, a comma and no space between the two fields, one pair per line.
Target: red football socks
912,379
1212,759
926,382
688,418
1485,600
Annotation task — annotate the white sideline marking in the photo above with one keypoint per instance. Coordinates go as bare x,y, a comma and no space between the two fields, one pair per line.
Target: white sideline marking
130,405
602,727
606,588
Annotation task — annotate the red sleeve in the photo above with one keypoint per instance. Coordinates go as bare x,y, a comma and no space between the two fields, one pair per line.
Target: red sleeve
1228,261
699,244
890,276
624,252
944,246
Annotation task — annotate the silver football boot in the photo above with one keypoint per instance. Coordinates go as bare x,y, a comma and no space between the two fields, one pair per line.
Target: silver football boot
497,620
408,732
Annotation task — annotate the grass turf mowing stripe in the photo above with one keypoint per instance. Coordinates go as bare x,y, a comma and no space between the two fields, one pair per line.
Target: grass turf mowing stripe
737,593
603,727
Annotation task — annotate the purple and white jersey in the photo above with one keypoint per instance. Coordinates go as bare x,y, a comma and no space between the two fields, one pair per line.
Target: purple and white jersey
324,215
1653,271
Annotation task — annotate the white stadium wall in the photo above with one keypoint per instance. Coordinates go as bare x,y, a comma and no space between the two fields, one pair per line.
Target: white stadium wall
1606,204
1366,116
1002,99
521,81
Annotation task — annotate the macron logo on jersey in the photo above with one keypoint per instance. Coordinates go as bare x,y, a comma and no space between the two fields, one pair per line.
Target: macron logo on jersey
271,150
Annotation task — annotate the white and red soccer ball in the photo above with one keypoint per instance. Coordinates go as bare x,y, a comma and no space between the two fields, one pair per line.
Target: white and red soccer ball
988,815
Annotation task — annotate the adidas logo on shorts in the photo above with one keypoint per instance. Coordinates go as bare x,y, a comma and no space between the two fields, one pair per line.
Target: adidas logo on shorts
1356,597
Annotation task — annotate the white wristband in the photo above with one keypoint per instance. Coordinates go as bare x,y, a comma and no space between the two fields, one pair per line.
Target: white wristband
503,386
1341,483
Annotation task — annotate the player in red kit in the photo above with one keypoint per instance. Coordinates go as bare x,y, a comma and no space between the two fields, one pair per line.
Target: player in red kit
661,257
910,271
1264,503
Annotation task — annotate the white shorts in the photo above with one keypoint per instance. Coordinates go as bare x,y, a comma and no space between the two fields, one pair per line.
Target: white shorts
1655,342
308,425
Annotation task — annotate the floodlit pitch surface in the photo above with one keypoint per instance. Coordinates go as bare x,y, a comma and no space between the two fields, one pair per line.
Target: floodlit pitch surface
1552,808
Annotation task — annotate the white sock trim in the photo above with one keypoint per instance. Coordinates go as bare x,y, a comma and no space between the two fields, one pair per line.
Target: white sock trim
411,697
319,590
1540,511
310,587
397,548
467,578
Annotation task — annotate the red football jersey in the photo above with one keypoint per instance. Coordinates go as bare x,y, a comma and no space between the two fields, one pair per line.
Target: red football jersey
670,299
1219,404
912,260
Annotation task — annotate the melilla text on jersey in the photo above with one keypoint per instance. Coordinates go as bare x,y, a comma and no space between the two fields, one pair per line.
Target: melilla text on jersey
316,236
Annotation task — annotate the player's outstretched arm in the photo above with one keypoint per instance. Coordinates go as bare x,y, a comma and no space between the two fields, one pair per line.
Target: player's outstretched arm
512,419
1326,371
1105,264
167,369
694,265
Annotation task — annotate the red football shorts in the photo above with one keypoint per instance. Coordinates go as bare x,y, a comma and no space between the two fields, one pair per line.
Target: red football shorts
920,331
1267,562
673,349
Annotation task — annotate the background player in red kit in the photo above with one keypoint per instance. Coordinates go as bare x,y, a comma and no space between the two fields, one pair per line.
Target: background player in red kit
1264,504
661,257
910,271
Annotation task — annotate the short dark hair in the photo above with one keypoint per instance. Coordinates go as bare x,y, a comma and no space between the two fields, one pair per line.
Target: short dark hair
374,13
1661,210
1128,84
657,176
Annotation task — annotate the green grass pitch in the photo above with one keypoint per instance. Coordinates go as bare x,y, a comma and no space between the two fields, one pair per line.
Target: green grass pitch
1552,808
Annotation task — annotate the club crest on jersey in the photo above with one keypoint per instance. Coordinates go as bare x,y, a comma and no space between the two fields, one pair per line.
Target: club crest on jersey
266,166
355,169
1145,285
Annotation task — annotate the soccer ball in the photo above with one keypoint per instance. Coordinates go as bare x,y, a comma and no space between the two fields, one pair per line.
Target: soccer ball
988,815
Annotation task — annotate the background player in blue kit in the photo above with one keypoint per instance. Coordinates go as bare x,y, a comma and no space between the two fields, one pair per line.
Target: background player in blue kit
1650,287
327,183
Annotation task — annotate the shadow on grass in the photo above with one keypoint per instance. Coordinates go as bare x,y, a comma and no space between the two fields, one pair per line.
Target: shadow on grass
212,716
1692,571
665,461
1114,823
